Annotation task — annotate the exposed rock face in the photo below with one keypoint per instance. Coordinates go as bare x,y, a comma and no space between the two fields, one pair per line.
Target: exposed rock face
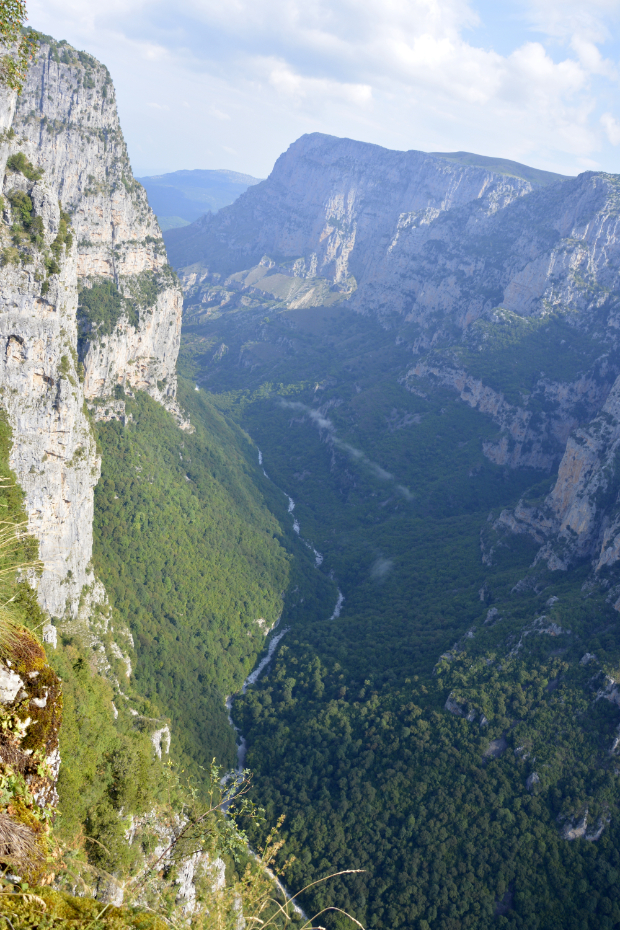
578,829
535,441
340,208
431,245
421,235
66,123
554,248
580,517
327,196
30,713
68,112
462,261
161,740
54,453
166,870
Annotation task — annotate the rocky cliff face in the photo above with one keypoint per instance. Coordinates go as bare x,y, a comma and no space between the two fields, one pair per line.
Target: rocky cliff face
67,112
414,234
54,452
529,438
337,209
73,216
503,285
580,518
446,253
553,250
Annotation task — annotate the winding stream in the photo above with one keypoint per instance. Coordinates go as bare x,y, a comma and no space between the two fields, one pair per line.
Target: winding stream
251,680
338,606
275,640
260,668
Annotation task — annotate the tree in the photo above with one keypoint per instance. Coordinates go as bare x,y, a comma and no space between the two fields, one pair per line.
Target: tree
18,47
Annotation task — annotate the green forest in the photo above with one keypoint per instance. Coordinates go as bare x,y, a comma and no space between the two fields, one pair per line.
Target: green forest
191,558
437,722
456,817
114,794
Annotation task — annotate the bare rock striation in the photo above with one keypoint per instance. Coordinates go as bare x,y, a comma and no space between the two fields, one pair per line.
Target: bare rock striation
438,248
580,518
334,208
428,237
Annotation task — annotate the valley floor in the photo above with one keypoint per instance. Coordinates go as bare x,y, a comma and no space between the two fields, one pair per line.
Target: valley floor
442,733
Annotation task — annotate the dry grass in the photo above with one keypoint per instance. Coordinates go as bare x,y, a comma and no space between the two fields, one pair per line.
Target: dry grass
18,643
15,641
18,845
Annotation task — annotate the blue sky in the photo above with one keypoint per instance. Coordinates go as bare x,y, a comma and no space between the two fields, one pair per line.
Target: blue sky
214,84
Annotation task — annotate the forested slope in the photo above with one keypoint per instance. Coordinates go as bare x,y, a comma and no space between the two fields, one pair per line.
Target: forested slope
446,733
191,558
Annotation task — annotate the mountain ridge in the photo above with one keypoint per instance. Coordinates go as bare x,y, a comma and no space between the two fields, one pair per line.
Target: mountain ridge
180,197
537,176
427,355
328,174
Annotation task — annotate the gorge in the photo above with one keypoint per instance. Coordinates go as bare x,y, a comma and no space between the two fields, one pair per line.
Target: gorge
373,401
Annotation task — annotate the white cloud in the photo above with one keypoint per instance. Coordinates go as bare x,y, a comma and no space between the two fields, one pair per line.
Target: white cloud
381,568
219,114
591,58
323,423
566,18
612,127
290,84
401,73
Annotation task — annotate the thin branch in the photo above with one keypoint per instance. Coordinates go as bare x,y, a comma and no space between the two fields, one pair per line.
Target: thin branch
326,878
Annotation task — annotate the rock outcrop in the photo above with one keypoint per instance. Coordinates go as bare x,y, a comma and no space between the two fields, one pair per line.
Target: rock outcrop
30,714
414,234
502,284
580,518
530,438
338,207
442,250
54,454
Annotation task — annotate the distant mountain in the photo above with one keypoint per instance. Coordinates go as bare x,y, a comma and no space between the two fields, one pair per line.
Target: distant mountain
363,211
181,197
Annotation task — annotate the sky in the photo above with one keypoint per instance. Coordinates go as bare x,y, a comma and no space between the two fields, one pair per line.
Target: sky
232,83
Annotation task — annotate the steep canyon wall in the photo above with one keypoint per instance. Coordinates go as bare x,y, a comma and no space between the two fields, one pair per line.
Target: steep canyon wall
502,281
53,361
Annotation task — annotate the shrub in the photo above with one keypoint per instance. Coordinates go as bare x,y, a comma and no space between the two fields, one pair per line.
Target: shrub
101,306
10,256
22,207
19,163
64,237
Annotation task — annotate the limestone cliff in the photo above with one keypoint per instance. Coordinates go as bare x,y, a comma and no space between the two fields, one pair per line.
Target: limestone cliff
73,216
340,210
580,518
67,112
445,252
412,234
54,455
527,439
